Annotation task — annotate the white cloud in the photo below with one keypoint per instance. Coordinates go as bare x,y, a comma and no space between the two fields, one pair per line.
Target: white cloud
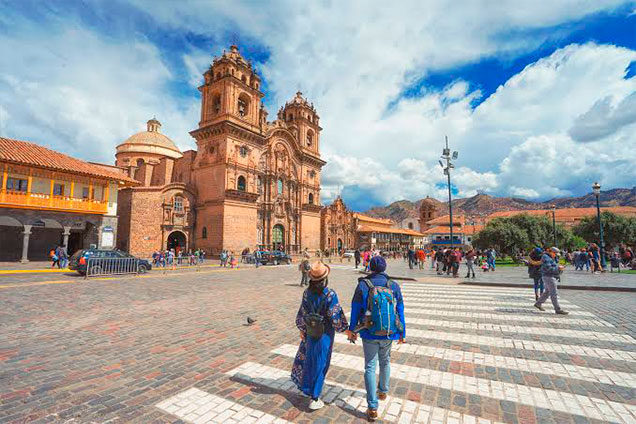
353,60
82,94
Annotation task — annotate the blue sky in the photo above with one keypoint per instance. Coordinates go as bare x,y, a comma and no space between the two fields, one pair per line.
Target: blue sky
539,101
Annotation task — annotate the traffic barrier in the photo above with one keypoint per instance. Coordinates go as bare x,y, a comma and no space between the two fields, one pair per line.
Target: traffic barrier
112,266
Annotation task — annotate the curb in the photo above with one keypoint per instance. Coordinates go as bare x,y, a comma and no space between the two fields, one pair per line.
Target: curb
560,286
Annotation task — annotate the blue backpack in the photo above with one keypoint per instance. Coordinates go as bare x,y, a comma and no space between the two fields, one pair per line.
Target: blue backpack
381,317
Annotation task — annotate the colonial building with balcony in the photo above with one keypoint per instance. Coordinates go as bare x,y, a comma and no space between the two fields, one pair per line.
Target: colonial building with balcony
48,199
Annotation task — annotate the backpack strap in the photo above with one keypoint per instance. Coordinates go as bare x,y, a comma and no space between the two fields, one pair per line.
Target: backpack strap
321,303
370,287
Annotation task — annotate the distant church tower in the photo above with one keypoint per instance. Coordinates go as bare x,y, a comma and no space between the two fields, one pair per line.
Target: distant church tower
428,212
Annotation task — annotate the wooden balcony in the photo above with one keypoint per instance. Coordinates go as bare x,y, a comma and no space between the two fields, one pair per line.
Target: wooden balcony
24,200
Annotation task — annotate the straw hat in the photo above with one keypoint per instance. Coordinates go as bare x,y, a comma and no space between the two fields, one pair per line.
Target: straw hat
318,271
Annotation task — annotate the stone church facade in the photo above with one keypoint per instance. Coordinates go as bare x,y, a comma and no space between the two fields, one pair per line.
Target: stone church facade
339,227
250,182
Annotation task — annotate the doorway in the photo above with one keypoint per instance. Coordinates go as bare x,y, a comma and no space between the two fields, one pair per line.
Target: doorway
176,241
278,237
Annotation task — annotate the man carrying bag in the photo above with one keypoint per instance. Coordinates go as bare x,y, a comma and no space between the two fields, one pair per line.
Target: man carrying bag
377,314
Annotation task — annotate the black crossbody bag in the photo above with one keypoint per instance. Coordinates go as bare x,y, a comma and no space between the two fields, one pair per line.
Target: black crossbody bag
314,321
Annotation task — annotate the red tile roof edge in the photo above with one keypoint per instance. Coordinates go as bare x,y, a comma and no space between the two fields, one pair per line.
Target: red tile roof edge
27,153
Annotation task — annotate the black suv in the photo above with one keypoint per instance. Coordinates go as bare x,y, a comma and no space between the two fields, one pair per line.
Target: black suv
275,257
101,264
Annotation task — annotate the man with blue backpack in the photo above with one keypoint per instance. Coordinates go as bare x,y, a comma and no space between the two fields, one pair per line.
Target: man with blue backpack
377,314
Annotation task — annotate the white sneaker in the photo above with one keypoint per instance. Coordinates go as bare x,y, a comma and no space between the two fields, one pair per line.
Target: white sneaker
316,404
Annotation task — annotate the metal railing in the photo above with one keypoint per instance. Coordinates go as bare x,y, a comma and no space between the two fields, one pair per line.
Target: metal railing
111,266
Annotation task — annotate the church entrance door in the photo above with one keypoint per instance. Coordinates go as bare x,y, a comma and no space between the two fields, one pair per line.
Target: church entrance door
176,241
278,236
339,245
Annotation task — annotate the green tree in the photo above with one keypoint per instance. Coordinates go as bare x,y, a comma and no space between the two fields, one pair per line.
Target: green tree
538,231
537,228
616,229
500,233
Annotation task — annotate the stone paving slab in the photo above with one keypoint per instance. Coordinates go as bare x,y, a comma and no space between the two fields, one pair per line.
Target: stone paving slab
123,350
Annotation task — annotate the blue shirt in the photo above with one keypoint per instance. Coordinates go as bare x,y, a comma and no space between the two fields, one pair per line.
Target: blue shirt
359,304
549,267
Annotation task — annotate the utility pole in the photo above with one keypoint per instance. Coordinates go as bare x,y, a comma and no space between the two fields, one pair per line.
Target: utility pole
446,156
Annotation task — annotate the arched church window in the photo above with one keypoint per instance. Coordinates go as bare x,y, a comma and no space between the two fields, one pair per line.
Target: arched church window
240,184
204,233
140,162
410,225
177,203
243,105
310,138
243,151
280,186
310,199
244,79
216,103
259,185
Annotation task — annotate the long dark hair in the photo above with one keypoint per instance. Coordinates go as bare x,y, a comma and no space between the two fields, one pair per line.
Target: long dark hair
318,286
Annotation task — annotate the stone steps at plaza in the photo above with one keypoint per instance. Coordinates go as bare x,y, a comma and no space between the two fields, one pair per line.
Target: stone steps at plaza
452,368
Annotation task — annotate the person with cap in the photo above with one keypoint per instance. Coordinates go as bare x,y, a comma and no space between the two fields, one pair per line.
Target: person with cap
550,270
376,347
534,271
319,317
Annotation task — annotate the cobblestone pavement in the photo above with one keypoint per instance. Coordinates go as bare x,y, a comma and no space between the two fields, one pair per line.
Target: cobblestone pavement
175,348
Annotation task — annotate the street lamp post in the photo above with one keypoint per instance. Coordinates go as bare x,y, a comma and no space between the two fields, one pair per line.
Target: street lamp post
554,225
596,188
446,156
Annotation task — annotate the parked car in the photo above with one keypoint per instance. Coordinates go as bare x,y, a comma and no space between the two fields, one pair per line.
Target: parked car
100,261
275,257
349,253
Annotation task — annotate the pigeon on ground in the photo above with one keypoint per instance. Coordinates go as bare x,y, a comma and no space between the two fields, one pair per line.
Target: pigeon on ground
250,321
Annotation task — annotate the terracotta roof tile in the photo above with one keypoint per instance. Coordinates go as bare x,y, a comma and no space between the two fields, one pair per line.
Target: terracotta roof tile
367,218
445,220
369,228
31,154
567,214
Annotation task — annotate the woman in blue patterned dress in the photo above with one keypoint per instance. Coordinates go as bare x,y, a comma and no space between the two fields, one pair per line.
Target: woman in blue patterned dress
314,354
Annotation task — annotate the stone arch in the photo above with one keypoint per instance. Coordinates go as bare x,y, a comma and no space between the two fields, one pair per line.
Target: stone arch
310,138
241,183
177,239
310,199
243,105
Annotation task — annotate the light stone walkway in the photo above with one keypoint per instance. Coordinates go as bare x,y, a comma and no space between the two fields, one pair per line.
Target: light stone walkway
413,363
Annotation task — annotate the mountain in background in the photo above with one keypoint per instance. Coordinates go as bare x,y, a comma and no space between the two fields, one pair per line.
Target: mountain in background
483,204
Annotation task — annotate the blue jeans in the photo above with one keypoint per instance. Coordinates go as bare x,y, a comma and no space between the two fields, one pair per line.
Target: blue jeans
538,284
374,350
491,263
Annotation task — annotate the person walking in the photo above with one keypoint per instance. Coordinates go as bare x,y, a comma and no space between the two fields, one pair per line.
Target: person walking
357,256
421,258
54,258
410,254
470,262
492,255
319,317
550,270
534,271
377,295
304,266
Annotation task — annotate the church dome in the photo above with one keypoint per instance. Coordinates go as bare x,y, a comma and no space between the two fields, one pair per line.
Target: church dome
150,141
